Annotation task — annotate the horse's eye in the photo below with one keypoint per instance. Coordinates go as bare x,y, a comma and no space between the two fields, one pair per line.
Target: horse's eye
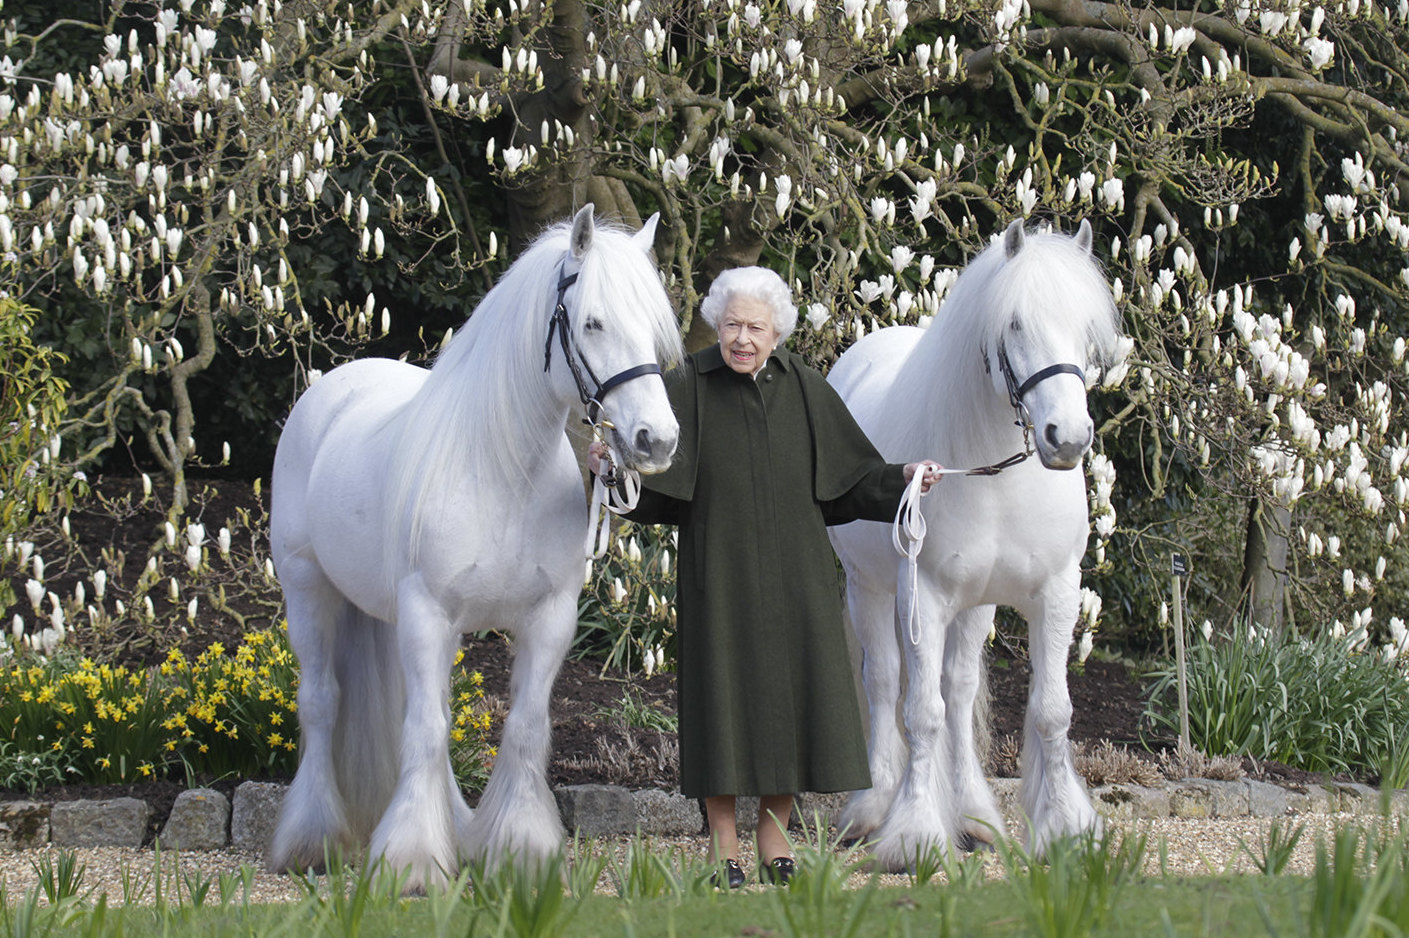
1015,326
592,324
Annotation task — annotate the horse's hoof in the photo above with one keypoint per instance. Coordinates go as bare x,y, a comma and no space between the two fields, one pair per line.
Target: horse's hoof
971,843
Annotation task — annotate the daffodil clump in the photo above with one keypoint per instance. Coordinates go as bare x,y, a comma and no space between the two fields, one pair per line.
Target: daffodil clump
102,722
471,752
233,714
215,716
220,714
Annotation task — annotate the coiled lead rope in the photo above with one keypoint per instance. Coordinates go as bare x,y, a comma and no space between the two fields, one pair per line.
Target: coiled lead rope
907,533
614,491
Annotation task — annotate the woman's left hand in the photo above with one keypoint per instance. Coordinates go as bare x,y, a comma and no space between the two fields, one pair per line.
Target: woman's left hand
931,470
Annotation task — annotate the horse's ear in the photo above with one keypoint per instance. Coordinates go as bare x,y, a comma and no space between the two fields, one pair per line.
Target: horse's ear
1083,236
1013,239
583,225
646,238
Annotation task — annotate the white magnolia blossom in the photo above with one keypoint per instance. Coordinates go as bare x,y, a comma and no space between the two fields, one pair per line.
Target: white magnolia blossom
1113,194
34,590
921,204
900,257
1319,52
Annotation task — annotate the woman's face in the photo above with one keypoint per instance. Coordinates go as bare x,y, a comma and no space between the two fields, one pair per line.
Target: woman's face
746,334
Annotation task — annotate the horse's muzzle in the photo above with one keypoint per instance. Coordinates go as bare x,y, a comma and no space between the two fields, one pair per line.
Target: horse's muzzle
1062,451
648,449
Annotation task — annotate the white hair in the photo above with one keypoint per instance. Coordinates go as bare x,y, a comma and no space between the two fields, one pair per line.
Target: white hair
757,283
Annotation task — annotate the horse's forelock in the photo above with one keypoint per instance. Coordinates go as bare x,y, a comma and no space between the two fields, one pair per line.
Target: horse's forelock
1055,287
624,283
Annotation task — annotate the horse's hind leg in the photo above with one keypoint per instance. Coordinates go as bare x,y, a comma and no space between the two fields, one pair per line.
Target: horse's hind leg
873,620
517,817
979,817
1053,795
312,820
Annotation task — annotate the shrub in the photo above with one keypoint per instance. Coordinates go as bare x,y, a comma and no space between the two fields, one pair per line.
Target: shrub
32,402
627,611
1319,703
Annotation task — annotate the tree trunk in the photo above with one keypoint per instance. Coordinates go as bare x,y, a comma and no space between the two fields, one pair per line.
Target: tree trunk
1264,578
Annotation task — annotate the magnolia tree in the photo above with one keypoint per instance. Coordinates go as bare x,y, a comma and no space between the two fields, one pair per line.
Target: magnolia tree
154,180
1242,165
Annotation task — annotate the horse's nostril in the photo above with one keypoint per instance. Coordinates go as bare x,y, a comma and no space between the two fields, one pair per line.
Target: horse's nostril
643,441
1051,434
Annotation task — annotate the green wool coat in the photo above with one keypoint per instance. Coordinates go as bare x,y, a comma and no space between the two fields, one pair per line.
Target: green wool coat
767,702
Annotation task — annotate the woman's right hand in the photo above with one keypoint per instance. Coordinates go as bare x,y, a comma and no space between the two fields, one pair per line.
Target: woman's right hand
595,451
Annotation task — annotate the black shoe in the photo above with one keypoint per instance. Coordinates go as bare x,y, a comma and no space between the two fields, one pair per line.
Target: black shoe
779,871
733,872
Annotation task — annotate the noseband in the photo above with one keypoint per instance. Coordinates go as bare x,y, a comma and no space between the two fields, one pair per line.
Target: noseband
581,370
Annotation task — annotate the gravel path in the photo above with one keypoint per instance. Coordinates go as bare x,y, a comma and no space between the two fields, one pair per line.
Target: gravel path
1191,848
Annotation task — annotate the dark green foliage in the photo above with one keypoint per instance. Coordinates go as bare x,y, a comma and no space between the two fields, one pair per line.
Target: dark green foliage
1315,703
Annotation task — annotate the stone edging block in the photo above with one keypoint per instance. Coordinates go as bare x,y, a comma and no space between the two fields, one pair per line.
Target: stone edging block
199,820
255,814
24,824
204,819
117,822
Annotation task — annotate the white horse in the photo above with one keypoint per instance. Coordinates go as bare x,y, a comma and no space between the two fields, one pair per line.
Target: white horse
1021,324
411,506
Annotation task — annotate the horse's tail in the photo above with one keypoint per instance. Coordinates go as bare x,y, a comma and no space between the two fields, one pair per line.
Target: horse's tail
367,665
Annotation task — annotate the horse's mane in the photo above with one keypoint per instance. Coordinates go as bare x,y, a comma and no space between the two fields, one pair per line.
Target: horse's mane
486,409
943,392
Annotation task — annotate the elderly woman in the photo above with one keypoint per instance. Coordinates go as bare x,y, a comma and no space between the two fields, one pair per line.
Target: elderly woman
768,457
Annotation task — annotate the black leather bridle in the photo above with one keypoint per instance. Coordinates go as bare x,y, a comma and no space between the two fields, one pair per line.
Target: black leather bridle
581,370
1016,393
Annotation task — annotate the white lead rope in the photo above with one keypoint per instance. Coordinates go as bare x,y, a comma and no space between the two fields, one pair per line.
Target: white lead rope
606,501
907,533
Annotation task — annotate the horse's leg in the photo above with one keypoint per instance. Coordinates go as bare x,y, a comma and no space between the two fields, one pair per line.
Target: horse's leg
922,815
312,819
1053,795
979,817
517,816
873,619
415,833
